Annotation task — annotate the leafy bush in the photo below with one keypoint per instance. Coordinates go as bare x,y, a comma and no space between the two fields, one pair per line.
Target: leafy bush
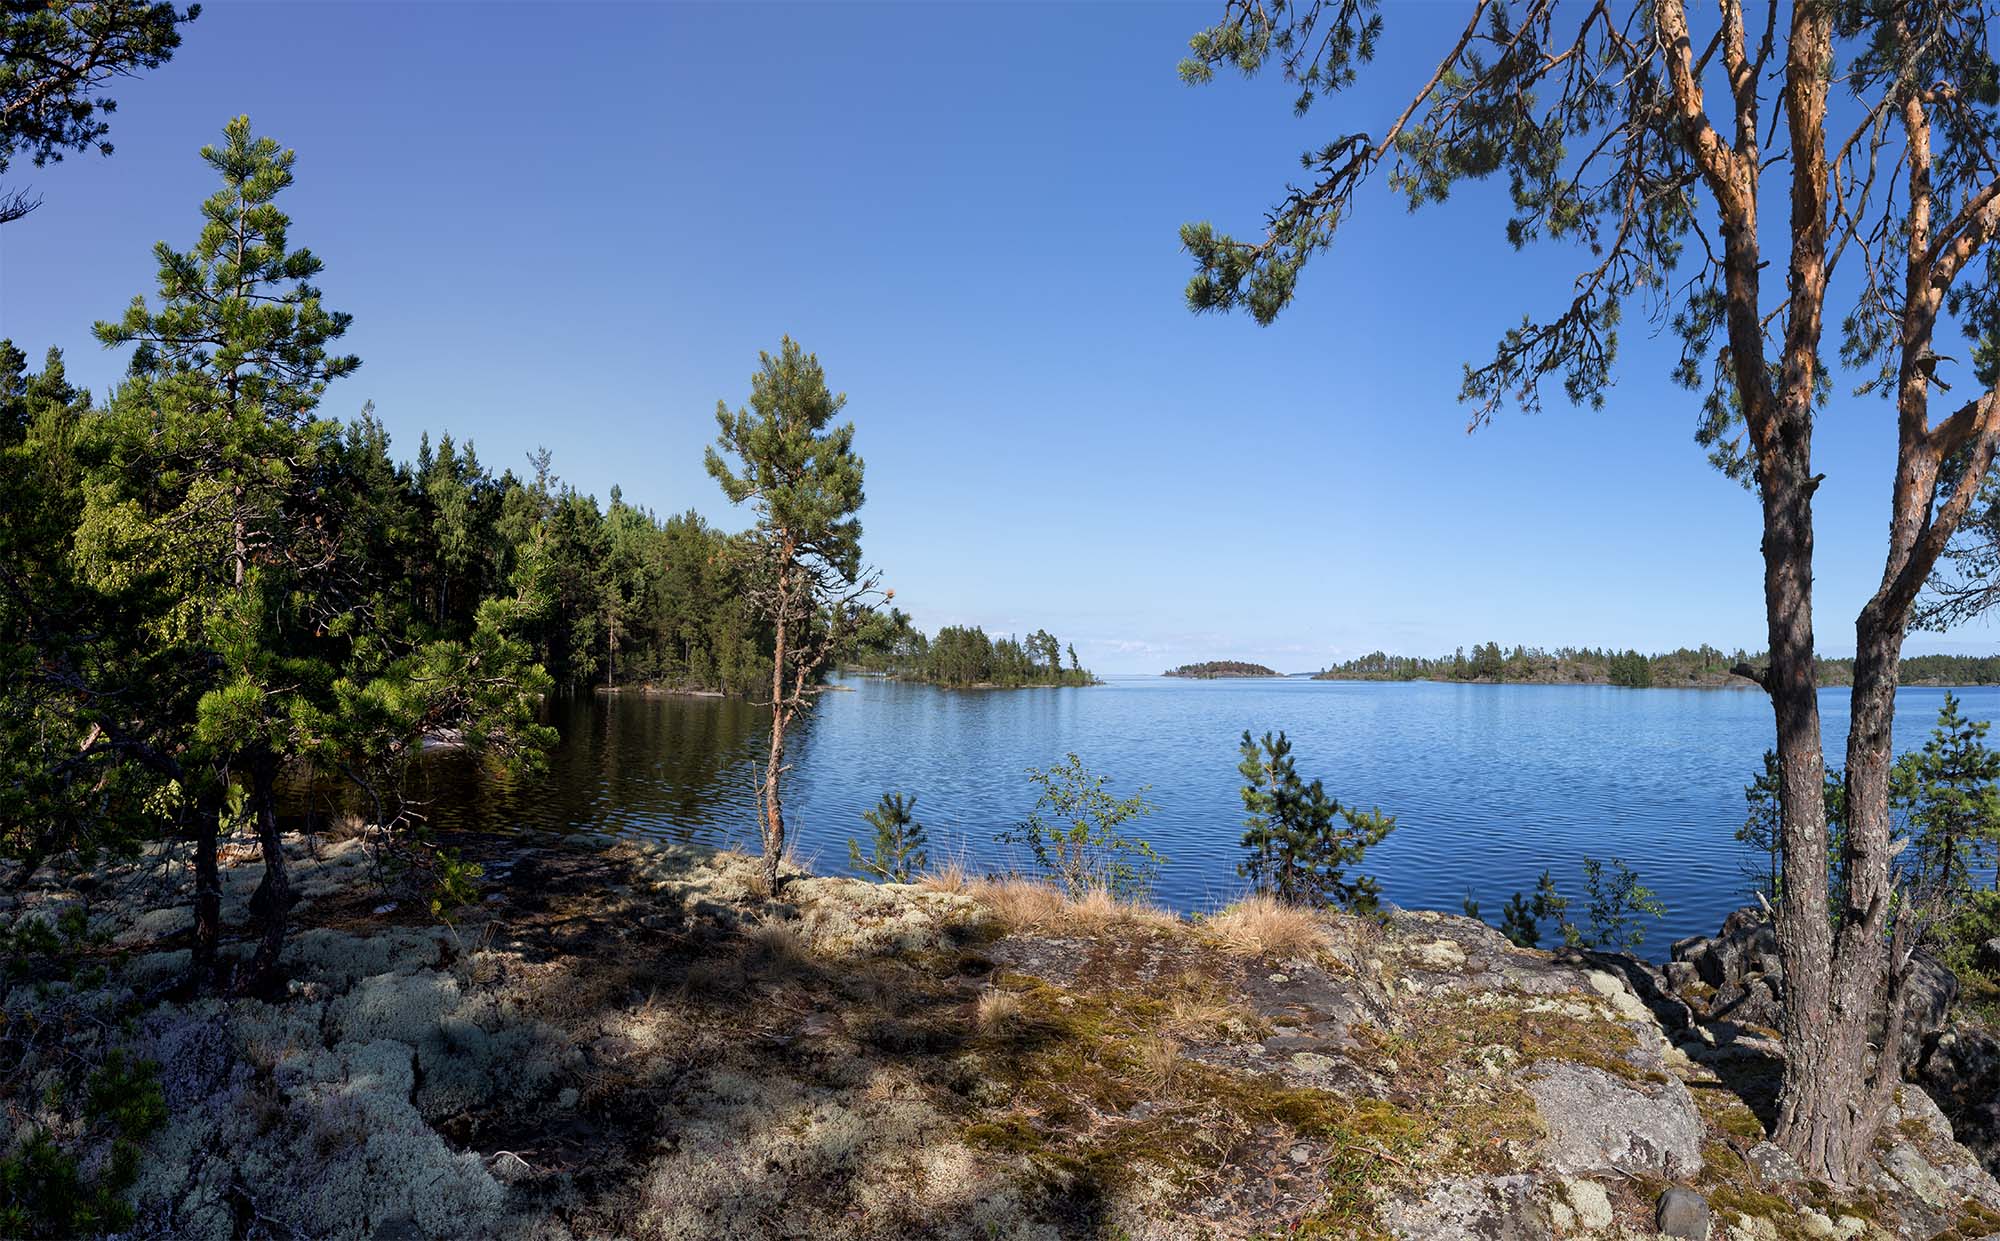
1301,841
899,852
1076,833
1618,905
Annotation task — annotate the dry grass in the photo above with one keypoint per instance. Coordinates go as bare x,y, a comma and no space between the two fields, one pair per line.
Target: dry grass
1157,1061
776,951
952,876
1019,904
1033,905
997,1012
1197,1010
1264,926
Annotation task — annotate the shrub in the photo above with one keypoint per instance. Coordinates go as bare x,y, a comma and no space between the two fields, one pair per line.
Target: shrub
1076,833
1618,905
54,1189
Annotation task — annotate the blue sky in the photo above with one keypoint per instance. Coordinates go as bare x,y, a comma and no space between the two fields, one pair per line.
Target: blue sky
576,225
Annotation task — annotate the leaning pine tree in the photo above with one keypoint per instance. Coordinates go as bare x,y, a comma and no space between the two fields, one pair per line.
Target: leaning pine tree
1630,132
802,476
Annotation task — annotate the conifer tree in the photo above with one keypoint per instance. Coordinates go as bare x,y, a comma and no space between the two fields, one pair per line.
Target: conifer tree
1949,793
1666,143
801,475
1302,842
55,58
216,508
899,852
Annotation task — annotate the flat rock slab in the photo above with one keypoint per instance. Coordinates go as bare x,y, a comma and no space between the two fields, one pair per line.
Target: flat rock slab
1598,1122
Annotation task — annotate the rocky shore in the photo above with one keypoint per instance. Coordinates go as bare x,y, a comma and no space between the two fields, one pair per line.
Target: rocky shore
627,1040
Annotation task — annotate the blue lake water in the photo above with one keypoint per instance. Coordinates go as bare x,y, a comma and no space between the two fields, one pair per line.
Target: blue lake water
1490,784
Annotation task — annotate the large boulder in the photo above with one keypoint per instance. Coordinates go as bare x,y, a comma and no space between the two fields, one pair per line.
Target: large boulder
1961,1071
1736,976
1598,1122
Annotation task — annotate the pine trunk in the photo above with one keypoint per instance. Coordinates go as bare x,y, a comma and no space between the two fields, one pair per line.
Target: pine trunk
774,819
273,899
1825,1041
207,895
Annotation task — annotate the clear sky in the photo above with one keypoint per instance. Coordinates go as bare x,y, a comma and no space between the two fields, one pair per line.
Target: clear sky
575,226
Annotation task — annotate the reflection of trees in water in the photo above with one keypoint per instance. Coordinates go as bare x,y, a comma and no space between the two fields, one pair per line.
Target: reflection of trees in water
666,765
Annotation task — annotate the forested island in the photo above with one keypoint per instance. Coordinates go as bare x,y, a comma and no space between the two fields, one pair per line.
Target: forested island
1213,668
1702,667
962,656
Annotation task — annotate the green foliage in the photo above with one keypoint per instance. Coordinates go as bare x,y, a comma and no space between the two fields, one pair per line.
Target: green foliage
1221,668
1687,666
54,60
898,854
1630,669
1520,922
1076,833
964,656
1760,826
1300,841
798,471
1949,795
454,883
77,1186
1619,905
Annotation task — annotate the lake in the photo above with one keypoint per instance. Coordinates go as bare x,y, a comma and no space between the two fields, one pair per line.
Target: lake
1489,783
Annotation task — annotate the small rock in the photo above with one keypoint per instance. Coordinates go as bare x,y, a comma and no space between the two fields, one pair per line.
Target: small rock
1301,1155
1682,1213
568,1097
1774,1165
1440,954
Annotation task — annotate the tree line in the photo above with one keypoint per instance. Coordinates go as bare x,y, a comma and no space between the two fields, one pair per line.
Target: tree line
1703,666
208,585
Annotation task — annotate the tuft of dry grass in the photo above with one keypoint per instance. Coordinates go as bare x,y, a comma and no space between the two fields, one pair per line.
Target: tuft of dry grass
1033,905
1262,925
776,951
1157,1061
1019,904
952,876
997,1012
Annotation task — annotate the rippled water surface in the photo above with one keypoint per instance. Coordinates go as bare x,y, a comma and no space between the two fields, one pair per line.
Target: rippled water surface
1489,784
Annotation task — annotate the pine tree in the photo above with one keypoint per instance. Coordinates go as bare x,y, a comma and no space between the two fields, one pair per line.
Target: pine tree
1949,795
218,507
899,852
1519,923
802,476
54,60
1301,842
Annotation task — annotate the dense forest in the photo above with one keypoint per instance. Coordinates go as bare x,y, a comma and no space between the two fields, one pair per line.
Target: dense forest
1221,668
962,656
1703,666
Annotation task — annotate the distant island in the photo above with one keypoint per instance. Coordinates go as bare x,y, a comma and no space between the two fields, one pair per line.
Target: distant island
1702,667
889,645
1221,668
